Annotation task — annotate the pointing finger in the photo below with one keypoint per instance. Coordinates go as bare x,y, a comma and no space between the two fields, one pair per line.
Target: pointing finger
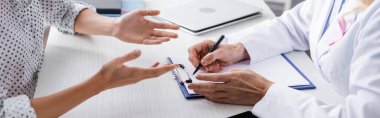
215,77
130,56
157,71
156,64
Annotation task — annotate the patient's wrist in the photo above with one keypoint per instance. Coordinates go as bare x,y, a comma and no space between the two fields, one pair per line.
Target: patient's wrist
97,82
113,27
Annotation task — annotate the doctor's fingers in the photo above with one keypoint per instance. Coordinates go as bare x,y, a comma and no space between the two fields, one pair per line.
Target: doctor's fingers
198,51
214,67
202,47
220,100
195,54
215,94
216,77
218,54
211,87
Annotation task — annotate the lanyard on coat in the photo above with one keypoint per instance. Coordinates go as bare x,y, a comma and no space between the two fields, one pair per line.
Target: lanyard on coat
328,17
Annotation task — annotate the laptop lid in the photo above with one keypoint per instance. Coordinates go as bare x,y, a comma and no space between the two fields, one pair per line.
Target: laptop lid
204,14
106,6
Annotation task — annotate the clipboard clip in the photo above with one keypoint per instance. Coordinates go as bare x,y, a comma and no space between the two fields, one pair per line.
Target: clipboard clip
187,73
178,77
179,74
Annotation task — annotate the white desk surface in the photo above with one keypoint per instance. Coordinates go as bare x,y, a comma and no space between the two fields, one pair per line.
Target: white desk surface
72,59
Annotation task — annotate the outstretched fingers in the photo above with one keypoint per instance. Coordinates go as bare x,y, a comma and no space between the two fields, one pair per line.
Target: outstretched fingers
155,40
159,33
128,57
157,71
148,12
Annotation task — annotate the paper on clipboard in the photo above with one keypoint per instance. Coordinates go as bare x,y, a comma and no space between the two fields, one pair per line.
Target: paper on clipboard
276,69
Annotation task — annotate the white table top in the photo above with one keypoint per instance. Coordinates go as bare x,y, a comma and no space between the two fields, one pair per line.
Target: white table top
72,59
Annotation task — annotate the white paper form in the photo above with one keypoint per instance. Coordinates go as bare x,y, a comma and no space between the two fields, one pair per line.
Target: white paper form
276,69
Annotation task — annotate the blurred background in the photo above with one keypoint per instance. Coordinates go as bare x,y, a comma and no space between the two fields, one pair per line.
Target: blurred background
114,6
279,6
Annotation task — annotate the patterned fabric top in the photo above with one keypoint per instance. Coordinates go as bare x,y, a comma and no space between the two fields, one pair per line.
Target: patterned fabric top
22,48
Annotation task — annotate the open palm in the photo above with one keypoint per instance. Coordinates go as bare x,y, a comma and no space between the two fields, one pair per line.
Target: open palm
134,28
116,73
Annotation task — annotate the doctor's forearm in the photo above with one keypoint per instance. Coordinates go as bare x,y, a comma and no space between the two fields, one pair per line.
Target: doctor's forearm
91,23
59,103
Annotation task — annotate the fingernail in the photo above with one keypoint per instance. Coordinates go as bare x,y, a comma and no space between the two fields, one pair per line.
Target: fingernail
136,51
203,61
190,86
200,75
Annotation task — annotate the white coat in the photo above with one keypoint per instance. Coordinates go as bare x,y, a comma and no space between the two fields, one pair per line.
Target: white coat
352,65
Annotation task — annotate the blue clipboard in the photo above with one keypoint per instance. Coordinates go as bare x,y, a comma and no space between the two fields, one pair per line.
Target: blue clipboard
194,96
181,84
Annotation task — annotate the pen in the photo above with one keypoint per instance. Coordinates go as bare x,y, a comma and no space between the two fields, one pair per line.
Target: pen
212,49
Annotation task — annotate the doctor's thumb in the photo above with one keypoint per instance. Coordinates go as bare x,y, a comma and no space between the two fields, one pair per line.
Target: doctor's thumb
209,58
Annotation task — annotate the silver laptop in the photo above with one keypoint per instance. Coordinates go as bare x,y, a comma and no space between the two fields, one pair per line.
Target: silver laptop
202,16
106,6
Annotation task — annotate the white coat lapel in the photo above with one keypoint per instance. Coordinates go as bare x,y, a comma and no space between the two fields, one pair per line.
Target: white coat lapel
318,26
323,45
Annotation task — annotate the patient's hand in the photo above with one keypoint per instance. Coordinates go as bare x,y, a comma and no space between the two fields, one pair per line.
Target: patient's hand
134,28
224,55
116,73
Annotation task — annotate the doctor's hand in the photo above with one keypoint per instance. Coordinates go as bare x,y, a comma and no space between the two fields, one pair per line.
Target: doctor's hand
224,55
134,28
242,87
116,73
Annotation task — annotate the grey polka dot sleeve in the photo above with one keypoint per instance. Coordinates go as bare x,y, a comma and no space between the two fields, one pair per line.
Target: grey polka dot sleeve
15,107
22,48
62,13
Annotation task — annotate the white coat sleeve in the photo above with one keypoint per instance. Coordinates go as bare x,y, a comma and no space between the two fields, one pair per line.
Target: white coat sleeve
282,34
363,99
